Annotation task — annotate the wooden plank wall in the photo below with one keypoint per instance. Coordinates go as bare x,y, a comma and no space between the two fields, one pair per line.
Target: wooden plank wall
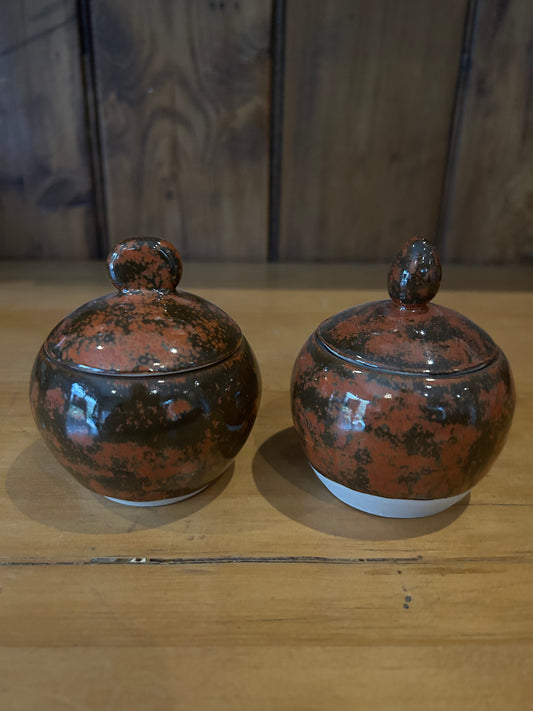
249,129
183,91
369,94
46,198
491,213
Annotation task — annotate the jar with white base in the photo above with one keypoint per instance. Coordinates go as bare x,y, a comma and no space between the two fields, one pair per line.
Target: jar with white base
401,405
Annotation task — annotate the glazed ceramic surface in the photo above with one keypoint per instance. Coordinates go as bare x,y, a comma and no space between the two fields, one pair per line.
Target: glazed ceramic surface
402,399
145,395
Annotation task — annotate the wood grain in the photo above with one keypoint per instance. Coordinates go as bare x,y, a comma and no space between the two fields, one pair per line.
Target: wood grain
46,199
369,93
478,677
355,605
184,99
490,218
263,591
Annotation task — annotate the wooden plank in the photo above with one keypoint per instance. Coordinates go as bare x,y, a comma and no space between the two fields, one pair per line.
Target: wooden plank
46,200
490,218
184,98
266,604
369,93
478,677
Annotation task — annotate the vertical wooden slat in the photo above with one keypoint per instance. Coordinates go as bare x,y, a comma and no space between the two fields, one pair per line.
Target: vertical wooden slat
491,208
369,94
184,98
46,202
279,12
456,123
93,124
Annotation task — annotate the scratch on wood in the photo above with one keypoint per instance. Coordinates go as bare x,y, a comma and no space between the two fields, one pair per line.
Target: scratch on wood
255,559
37,36
128,560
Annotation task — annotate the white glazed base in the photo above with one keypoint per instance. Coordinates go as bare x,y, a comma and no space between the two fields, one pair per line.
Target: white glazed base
159,502
389,508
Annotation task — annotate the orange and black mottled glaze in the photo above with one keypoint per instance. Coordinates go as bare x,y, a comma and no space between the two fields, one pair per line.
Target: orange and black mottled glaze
146,438
405,400
146,394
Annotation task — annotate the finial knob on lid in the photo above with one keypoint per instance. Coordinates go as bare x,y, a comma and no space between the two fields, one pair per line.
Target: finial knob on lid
415,274
145,263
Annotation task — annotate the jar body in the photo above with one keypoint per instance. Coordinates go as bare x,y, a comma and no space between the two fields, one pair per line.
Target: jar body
400,435
145,438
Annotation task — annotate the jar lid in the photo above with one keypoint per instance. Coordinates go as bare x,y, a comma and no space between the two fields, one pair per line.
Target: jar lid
147,326
408,334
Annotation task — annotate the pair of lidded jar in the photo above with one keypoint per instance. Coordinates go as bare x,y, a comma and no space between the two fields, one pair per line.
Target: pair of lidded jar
147,395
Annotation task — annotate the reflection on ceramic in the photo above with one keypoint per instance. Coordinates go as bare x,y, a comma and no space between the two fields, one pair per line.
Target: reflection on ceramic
402,399
147,394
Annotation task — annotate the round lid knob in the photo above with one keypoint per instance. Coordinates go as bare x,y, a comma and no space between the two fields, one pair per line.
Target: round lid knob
145,263
415,274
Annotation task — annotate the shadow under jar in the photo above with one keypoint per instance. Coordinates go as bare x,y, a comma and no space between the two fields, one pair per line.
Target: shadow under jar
145,395
402,406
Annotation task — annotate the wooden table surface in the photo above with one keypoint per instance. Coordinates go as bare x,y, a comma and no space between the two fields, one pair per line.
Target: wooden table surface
262,592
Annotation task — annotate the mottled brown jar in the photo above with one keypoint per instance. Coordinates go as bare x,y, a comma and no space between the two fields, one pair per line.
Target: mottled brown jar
148,394
402,406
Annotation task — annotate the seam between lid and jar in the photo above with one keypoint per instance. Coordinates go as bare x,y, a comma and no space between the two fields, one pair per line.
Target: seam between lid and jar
91,370
416,373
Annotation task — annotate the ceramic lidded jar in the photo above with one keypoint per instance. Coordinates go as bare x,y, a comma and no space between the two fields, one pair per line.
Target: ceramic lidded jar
148,394
402,405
